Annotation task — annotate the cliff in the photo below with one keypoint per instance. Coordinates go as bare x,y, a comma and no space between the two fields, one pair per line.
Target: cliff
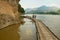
8,12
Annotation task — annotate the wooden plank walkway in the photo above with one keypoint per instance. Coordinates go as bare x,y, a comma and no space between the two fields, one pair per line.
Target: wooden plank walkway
44,33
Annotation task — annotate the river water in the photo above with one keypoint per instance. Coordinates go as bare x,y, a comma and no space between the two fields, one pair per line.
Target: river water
51,21
27,31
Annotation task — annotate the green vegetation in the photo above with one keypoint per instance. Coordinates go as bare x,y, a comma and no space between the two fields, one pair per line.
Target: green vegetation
47,13
52,13
20,9
35,12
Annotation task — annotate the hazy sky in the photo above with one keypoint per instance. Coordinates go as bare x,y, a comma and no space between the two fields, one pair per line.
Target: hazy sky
37,3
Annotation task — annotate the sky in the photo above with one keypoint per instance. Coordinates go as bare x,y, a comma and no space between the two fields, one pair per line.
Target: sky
37,3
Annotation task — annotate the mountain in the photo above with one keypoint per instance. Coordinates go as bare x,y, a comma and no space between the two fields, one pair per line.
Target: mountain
28,9
42,9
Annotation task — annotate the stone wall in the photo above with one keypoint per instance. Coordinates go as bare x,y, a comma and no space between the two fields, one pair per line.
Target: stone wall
8,12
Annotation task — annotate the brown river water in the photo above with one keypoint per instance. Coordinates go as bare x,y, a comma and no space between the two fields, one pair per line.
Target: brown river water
27,31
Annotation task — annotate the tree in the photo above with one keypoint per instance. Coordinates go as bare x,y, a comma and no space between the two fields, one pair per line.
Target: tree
20,9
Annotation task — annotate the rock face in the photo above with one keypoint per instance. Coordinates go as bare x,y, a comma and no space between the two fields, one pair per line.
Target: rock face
8,13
